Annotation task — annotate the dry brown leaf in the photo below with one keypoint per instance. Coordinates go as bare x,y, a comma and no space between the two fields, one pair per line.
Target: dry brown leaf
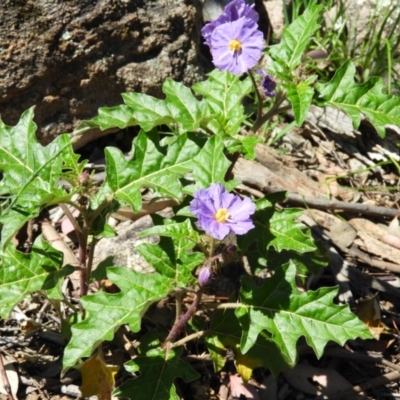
369,312
97,378
238,389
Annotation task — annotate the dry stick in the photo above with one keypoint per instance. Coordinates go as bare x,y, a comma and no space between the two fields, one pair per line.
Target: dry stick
188,338
7,386
326,204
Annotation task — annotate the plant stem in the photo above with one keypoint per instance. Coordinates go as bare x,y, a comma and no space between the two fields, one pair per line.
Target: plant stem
183,320
280,98
90,260
226,306
188,338
82,254
259,98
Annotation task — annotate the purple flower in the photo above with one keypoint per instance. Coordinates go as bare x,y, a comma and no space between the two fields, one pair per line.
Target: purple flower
220,212
268,85
233,11
205,276
236,46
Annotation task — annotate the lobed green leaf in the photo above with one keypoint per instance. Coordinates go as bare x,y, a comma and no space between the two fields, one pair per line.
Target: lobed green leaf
285,314
31,173
107,312
226,332
295,39
224,93
22,274
158,370
368,99
183,106
150,166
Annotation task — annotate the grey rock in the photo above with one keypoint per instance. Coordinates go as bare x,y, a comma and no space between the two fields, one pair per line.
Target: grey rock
71,57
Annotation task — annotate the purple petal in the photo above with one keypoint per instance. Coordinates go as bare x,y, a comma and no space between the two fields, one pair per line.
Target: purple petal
241,227
238,8
245,31
242,209
218,231
206,204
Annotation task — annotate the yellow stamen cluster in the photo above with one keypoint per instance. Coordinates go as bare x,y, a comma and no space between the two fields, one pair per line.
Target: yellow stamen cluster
235,45
222,215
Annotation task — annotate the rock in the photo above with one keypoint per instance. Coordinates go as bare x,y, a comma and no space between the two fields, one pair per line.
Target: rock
123,246
69,58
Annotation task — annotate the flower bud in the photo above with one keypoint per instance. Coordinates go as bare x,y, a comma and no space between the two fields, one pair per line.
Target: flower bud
84,178
205,276
268,85
231,248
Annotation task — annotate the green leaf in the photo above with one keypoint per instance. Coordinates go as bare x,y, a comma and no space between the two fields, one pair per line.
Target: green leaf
151,167
224,93
300,95
295,39
176,230
183,106
107,312
22,274
285,314
244,144
158,370
210,165
276,229
366,100
226,333
30,173
148,111
171,258
306,263
110,117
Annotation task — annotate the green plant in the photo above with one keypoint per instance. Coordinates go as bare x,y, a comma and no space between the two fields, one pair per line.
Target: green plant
202,136
373,49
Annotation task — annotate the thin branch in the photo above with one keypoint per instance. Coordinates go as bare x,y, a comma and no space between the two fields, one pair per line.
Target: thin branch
188,338
326,204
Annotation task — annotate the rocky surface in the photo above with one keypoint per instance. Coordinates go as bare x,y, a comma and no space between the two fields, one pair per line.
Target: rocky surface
68,58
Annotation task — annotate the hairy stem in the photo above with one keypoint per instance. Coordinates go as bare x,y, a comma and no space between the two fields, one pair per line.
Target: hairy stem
90,260
82,254
259,98
280,98
180,324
